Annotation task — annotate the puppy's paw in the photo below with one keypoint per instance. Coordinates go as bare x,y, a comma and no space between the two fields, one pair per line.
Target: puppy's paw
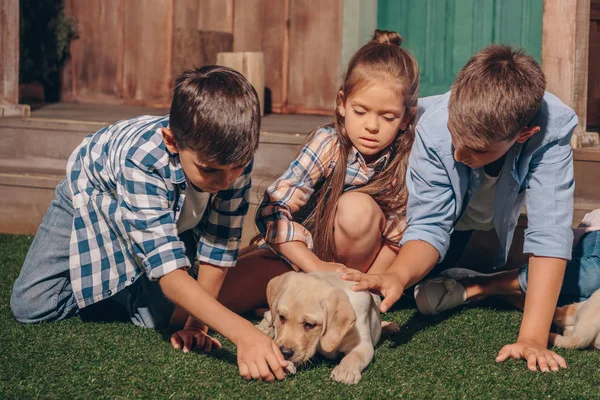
389,328
346,375
290,369
266,326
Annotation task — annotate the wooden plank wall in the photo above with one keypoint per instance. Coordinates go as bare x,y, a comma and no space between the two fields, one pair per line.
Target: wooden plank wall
124,52
9,52
593,102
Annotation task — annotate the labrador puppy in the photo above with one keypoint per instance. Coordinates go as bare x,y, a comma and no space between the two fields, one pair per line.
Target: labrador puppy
580,323
318,312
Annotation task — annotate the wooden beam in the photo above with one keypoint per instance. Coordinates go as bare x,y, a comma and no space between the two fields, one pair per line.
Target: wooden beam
9,60
565,51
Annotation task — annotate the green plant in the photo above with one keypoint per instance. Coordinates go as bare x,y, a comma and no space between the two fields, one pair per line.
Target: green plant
45,34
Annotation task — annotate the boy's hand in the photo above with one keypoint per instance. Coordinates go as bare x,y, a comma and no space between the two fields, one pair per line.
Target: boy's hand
259,358
388,285
534,354
194,337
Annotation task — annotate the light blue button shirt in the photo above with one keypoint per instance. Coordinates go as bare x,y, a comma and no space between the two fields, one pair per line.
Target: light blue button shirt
539,171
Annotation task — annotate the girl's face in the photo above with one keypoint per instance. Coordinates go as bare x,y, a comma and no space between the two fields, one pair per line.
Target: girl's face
373,116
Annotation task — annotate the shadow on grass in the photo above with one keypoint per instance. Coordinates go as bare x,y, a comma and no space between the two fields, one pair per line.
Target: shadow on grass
419,323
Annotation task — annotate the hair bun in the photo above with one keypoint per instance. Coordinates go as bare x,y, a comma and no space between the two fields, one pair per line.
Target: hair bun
387,37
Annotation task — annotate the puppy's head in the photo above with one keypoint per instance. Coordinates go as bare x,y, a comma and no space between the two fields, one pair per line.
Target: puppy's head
307,312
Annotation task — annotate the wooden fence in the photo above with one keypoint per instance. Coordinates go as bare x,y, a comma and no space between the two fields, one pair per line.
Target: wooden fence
125,49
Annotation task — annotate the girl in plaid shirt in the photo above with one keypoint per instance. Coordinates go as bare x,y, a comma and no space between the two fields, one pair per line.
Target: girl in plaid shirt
343,199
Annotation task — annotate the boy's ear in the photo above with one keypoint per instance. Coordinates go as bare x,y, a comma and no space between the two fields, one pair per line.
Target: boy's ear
169,140
526,133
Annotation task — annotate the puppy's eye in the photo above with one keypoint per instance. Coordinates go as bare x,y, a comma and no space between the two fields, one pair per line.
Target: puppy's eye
282,319
309,326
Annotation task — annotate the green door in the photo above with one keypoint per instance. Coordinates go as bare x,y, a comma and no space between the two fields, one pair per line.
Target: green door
444,34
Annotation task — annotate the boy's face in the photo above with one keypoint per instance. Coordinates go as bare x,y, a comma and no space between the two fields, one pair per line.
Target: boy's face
477,158
203,175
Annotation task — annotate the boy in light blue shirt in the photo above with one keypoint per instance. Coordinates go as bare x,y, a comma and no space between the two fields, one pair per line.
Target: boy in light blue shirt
496,141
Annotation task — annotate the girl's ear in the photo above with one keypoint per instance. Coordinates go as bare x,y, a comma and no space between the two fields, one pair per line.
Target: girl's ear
169,140
341,104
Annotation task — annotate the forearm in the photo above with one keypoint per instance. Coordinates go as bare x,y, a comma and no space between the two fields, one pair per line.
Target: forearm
301,256
544,281
384,259
184,291
211,278
414,260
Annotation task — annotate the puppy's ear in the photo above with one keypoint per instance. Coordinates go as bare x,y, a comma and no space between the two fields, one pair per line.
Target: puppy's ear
339,319
274,288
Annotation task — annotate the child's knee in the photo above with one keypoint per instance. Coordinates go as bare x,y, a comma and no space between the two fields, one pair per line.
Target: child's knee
358,215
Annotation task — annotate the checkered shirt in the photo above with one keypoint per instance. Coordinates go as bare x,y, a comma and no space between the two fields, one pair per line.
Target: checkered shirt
128,192
293,190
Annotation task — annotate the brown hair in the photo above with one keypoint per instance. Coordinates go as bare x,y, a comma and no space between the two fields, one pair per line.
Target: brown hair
215,112
495,95
382,58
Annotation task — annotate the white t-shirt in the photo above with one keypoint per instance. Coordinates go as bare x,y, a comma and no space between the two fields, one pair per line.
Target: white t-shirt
480,211
193,209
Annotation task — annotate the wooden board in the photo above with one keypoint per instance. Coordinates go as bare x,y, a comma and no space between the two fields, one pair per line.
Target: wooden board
215,15
95,71
314,55
565,54
593,101
9,52
193,48
147,37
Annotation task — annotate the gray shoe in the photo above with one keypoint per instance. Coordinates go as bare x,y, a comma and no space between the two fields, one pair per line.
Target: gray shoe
439,294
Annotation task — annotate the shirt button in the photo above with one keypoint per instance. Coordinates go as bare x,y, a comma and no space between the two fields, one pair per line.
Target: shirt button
132,279
177,208
109,293
469,191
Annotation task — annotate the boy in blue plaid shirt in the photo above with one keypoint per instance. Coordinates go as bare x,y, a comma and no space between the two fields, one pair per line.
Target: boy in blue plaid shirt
110,240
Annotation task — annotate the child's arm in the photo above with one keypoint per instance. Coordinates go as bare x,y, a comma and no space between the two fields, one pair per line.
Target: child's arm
258,356
545,278
195,332
549,238
148,219
288,194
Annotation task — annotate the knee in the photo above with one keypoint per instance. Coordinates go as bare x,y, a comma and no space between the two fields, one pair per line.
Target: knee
19,306
358,215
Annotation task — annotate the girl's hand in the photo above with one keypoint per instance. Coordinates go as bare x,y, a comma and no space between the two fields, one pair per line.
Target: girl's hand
194,337
259,358
387,285
534,354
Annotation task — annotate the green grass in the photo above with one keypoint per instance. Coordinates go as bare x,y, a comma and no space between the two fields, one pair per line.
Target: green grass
450,356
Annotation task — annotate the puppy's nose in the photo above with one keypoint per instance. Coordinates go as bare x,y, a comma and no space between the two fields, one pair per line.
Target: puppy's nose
287,352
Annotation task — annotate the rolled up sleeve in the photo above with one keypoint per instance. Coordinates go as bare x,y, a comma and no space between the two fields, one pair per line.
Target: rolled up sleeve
148,220
431,199
549,199
222,224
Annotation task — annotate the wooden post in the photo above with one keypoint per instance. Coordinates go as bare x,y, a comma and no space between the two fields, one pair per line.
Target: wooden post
565,51
9,61
252,66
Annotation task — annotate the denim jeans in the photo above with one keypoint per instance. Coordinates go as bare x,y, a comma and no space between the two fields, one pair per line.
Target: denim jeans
582,275
43,292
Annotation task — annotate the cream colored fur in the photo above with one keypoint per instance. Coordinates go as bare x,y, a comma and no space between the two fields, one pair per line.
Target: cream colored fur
580,323
317,312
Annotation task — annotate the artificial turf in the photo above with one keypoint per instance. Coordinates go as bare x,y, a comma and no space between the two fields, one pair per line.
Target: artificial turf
448,356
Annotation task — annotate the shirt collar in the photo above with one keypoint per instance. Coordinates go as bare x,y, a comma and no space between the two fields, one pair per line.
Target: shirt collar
377,165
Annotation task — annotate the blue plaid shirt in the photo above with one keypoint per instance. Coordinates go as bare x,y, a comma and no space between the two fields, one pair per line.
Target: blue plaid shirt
128,192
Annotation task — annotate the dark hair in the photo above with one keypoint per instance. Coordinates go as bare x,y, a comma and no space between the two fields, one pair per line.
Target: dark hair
215,112
495,95
384,61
